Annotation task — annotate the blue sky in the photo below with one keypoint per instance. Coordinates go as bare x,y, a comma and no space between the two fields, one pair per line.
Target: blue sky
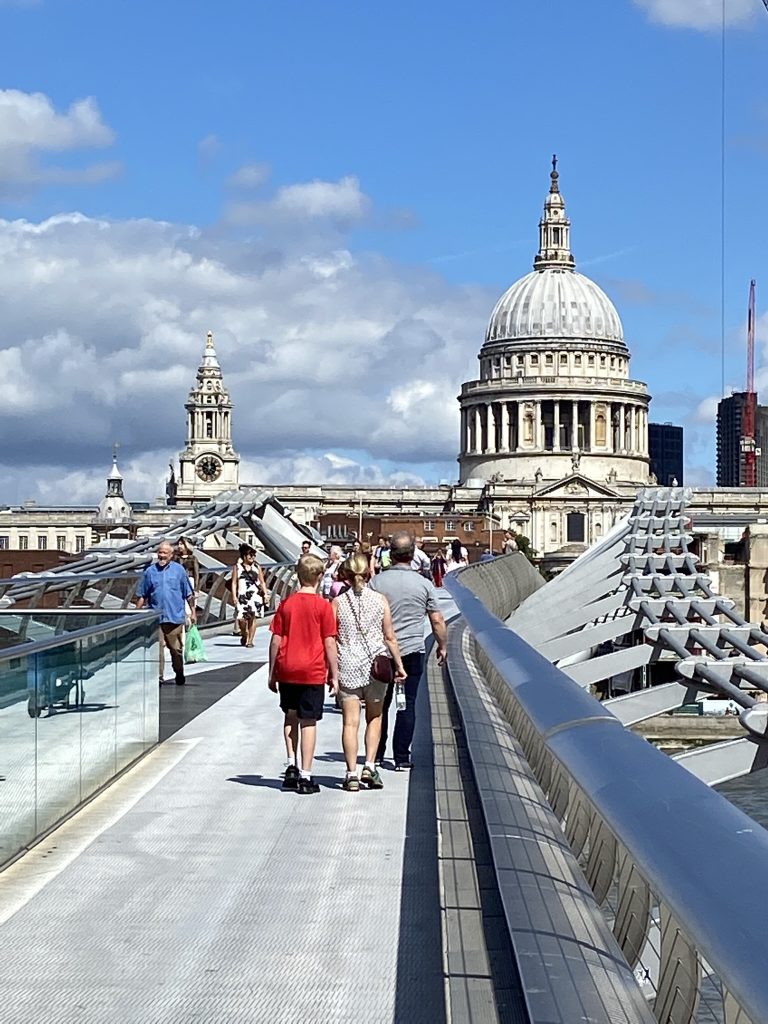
432,126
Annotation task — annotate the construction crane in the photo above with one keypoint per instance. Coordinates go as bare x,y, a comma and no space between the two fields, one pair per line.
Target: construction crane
749,448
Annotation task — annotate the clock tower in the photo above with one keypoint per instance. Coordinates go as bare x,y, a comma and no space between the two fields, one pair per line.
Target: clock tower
208,464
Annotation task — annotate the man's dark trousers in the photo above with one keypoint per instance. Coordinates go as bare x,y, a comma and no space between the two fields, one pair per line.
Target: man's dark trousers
405,721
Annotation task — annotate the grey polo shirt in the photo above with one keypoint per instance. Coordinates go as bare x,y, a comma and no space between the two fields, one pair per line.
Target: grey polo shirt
410,597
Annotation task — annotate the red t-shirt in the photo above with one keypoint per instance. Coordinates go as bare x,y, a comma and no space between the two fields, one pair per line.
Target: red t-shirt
303,622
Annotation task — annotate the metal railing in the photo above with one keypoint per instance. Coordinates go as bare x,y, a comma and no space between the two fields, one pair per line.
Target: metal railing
112,592
668,859
98,682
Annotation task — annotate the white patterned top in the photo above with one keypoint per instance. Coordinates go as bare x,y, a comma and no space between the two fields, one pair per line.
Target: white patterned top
360,635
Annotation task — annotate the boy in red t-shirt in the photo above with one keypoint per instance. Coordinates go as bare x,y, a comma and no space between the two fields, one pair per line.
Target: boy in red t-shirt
302,658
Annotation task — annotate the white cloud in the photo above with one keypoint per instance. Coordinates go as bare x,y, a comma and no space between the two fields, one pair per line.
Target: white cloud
31,128
102,325
699,14
340,203
208,148
706,410
250,176
328,468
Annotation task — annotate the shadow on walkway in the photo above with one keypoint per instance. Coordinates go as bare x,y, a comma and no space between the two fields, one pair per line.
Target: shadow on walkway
180,704
420,994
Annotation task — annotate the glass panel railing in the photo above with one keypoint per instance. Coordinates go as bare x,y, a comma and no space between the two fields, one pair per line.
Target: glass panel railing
75,709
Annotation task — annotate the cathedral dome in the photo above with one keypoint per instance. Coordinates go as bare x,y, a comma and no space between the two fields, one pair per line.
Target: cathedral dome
554,303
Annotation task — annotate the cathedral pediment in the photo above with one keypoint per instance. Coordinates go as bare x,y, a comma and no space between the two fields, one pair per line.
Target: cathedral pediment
577,486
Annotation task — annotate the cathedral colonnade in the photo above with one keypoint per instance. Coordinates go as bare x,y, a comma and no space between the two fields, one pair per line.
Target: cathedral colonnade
494,427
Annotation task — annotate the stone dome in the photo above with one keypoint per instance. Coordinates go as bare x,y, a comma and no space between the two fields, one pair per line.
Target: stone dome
554,303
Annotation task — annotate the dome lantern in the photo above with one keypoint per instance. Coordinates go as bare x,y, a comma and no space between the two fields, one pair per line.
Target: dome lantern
554,230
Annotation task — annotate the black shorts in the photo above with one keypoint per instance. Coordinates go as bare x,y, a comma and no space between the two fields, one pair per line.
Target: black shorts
306,699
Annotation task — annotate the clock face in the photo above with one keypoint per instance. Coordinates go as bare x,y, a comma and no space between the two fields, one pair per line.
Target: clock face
208,468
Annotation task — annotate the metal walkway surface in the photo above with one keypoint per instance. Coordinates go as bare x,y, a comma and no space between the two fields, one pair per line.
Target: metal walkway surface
195,890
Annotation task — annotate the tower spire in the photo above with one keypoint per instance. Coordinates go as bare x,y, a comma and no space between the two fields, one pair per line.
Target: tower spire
210,360
554,229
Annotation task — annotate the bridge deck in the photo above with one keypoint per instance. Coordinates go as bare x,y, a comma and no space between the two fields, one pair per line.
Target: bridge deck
195,889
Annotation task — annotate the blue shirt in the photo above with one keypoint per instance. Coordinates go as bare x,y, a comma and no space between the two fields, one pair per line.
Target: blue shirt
166,590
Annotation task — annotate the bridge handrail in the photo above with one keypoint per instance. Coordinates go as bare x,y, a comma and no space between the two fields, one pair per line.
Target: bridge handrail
686,841
127,619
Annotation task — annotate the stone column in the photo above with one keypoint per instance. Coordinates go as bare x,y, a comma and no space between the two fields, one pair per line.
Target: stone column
591,445
520,427
622,428
537,425
574,424
556,427
478,430
505,426
490,440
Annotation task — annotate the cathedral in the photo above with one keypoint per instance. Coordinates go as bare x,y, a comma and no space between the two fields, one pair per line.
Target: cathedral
553,438
554,428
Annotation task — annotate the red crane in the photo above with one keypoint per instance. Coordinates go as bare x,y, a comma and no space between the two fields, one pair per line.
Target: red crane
748,442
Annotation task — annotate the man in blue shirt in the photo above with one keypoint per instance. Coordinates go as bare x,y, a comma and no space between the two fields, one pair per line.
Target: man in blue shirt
165,587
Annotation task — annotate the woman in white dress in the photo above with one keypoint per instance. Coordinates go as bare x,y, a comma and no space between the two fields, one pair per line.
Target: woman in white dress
364,631
456,556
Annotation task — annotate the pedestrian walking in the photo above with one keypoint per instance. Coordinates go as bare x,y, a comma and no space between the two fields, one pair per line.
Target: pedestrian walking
420,561
413,601
456,556
249,593
438,567
302,658
165,587
510,544
331,570
365,639
381,558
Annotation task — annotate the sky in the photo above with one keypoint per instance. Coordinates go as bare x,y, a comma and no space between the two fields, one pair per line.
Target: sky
341,191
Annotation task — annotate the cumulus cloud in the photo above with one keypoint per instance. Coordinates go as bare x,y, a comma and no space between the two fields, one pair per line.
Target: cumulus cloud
328,468
250,176
208,149
102,326
340,203
31,128
698,14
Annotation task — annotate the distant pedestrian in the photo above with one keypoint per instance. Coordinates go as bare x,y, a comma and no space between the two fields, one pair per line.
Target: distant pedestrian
487,555
165,587
456,556
364,632
249,593
331,570
420,561
412,600
187,559
438,567
302,658
381,558
510,544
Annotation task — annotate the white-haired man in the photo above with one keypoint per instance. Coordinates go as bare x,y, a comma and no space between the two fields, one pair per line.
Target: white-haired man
165,588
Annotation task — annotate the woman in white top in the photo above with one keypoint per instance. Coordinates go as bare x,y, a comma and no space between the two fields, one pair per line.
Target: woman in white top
456,556
364,631
331,571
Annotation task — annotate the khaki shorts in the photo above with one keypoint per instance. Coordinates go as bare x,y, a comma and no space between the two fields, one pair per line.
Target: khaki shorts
373,693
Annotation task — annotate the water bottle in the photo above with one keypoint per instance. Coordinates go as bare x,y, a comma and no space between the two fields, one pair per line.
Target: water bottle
399,697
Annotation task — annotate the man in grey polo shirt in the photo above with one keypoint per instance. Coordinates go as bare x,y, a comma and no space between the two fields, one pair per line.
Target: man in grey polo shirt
412,599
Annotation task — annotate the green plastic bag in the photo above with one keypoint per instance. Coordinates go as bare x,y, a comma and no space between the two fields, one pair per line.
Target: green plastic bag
194,648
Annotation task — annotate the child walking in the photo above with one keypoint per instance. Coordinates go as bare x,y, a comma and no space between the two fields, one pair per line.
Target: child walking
302,658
